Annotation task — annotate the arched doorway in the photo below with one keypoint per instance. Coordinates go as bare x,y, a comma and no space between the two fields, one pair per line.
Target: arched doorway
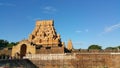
23,50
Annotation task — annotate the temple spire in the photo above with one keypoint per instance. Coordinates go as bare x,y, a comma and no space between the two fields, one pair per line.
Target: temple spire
70,45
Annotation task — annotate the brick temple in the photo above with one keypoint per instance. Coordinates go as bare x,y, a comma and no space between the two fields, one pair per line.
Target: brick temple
43,40
45,49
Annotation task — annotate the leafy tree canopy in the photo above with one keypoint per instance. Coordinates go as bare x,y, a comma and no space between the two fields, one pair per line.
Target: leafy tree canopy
5,43
119,47
111,48
95,47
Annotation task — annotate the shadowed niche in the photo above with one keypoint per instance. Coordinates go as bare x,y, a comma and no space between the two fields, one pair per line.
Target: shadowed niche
23,50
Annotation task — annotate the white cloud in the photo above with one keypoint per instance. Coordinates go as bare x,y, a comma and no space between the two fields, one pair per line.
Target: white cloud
49,9
86,30
7,4
78,31
112,28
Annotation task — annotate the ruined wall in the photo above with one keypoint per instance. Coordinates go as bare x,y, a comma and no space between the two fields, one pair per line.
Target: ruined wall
6,52
98,60
82,60
50,50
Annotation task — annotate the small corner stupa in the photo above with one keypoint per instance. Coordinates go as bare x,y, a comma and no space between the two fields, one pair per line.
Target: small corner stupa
70,45
43,40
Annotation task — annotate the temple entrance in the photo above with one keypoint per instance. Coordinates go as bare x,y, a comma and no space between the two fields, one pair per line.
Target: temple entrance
23,51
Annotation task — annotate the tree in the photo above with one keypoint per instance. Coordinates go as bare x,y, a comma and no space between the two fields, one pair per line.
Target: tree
10,44
111,48
119,47
95,47
3,43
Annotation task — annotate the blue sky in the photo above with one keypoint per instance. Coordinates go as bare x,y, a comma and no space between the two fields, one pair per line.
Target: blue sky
85,22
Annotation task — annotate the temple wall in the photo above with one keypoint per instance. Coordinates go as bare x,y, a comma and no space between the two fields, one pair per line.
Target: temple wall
6,52
29,48
51,50
49,56
78,60
108,60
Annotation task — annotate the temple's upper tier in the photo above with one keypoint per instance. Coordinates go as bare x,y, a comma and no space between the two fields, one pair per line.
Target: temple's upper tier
45,22
45,33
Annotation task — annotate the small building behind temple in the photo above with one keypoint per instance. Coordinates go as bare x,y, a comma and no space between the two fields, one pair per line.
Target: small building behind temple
43,40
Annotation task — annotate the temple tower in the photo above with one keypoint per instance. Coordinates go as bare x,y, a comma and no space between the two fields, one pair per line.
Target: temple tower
44,34
70,45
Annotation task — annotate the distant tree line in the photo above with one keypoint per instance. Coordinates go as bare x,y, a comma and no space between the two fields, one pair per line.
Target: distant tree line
100,47
95,47
5,43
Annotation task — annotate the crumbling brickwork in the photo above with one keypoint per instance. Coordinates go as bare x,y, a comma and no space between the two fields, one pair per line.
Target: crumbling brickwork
83,60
